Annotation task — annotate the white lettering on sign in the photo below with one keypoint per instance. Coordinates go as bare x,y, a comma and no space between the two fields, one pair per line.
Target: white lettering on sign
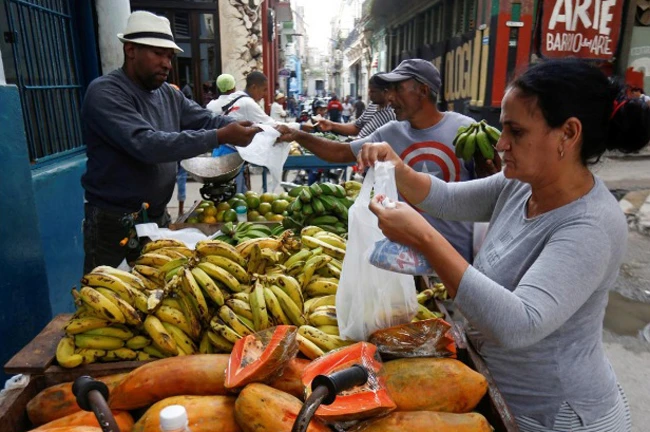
578,13
576,42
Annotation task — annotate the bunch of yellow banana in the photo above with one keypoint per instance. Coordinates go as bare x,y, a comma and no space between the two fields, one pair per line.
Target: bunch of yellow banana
160,260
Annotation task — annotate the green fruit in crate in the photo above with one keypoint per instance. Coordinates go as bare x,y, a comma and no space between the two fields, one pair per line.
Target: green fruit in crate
260,218
210,211
276,218
205,204
253,215
278,206
220,215
269,216
267,197
223,206
230,216
239,203
264,208
284,196
240,196
253,202
193,220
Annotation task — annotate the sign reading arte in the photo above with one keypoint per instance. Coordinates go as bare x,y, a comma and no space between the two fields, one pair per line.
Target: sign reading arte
587,29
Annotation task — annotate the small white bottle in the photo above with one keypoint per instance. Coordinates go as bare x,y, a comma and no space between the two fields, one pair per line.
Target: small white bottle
174,419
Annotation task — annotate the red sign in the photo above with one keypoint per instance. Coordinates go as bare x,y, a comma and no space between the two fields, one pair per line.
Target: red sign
587,29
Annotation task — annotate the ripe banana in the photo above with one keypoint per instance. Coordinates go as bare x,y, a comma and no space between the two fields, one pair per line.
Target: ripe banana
324,341
154,352
274,308
289,285
81,325
240,307
216,247
183,341
98,342
220,343
172,265
333,251
323,317
224,330
256,263
164,243
172,302
119,355
426,295
329,329
424,313
230,266
332,239
102,280
209,286
192,288
90,355
313,264
167,314
230,318
65,353
290,308
205,347
191,314
153,259
148,283
143,356
221,275
296,268
264,243
150,272
160,336
240,296
116,332
258,307
138,342
97,301
127,277
302,255
131,316
310,230
276,270
308,348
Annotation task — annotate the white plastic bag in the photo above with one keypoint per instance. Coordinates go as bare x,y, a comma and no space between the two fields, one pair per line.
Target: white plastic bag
369,298
264,151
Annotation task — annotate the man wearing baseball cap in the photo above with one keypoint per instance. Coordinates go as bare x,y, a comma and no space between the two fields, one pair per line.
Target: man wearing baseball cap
136,127
421,135
227,86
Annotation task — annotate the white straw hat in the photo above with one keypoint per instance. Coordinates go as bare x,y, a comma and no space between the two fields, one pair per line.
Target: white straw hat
145,28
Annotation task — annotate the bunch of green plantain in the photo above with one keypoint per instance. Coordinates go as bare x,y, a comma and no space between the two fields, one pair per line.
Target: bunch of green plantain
322,204
236,233
477,137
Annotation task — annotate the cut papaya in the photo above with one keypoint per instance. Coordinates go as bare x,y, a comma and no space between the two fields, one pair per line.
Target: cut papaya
199,374
434,384
426,338
426,421
371,399
261,356
260,408
58,401
291,379
204,413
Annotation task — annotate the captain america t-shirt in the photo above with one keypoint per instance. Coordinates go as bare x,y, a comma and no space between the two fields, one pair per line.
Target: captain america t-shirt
431,151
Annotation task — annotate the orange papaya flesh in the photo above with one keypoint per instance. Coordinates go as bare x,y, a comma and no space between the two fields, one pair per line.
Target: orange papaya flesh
426,338
87,418
426,421
204,414
434,384
290,380
260,408
196,375
261,356
58,401
368,400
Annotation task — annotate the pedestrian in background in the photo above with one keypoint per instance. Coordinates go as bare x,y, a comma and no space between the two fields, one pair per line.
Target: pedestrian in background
334,109
347,109
277,108
359,107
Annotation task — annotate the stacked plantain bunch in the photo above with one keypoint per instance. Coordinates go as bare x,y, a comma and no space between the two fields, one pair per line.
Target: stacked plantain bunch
324,205
476,138
234,234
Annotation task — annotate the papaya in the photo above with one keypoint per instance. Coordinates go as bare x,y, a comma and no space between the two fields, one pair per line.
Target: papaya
369,400
260,356
425,338
195,375
290,380
58,401
87,418
434,384
204,413
426,421
260,408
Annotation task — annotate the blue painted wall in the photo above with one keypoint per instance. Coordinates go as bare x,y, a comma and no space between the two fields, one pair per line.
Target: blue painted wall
59,204
24,305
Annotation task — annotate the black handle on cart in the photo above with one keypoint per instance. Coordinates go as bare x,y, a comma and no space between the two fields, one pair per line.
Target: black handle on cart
324,390
92,396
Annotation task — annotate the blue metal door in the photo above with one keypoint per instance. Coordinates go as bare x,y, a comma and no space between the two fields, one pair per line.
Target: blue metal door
47,71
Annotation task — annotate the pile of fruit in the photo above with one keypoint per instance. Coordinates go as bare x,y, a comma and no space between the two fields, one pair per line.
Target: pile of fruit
322,204
295,149
265,207
476,138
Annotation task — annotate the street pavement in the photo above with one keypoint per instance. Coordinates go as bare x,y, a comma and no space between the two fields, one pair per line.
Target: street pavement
628,311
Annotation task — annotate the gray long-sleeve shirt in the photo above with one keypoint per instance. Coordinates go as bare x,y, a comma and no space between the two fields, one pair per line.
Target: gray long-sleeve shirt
135,137
535,297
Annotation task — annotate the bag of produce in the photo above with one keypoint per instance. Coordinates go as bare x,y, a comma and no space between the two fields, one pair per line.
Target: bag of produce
426,338
370,298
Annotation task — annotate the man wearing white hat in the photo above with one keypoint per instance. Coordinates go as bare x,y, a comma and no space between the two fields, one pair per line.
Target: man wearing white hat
136,127
277,108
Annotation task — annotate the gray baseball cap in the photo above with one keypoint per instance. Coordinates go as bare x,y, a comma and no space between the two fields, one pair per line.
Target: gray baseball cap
418,69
